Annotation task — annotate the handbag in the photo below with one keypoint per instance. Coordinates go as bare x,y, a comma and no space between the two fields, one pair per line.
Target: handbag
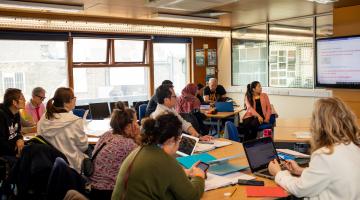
87,165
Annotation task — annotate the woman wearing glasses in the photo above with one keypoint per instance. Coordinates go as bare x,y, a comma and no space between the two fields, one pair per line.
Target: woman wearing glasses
63,129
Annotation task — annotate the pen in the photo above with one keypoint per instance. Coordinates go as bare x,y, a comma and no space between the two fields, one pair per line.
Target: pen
233,192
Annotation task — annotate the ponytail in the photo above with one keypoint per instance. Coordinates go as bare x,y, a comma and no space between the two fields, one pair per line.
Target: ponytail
250,93
56,104
159,130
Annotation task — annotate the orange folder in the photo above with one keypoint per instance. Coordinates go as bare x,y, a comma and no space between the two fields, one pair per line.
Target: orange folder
265,191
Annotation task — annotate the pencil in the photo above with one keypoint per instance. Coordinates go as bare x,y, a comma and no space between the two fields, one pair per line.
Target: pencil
233,192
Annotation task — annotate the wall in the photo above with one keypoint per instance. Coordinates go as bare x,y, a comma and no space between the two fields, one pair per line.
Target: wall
347,22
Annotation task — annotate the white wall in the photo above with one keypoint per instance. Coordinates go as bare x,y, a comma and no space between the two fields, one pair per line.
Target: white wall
287,105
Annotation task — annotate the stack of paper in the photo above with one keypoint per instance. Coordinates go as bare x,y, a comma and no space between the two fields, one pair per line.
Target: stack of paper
200,147
303,135
214,181
293,153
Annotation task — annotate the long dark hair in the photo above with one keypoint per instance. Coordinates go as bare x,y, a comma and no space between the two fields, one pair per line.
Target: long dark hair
159,130
250,93
56,104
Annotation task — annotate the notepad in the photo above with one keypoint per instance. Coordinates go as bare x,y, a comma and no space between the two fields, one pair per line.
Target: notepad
214,181
265,191
189,161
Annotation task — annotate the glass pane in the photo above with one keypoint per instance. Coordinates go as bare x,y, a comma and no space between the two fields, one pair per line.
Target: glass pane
93,85
291,54
170,63
29,64
324,26
89,50
249,56
129,51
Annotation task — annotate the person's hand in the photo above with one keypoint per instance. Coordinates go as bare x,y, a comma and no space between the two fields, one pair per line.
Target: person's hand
19,146
206,138
195,171
274,167
187,171
261,120
293,167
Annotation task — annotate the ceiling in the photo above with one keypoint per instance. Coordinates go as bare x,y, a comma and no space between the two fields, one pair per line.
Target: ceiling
238,13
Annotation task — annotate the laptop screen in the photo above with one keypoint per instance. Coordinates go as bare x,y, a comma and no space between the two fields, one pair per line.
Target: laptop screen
187,145
259,153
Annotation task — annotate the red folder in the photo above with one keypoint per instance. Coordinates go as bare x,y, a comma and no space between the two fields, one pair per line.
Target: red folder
264,191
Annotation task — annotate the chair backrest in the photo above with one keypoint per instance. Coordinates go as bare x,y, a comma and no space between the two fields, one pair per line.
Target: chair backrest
232,131
79,112
142,110
99,110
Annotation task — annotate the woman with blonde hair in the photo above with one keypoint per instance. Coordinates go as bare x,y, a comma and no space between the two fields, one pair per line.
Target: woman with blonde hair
333,172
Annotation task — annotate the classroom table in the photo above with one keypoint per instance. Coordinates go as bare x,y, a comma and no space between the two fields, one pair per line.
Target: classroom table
240,193
219,116
93,129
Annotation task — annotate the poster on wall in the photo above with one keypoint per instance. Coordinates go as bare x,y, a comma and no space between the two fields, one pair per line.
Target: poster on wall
199,57
211,57
210,73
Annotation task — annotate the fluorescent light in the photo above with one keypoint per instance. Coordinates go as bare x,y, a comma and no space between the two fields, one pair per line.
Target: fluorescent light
184,18
324,1
40,6
290,28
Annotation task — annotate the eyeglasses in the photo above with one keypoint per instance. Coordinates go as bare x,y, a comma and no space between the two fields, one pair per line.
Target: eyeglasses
173,96
73,98
41,98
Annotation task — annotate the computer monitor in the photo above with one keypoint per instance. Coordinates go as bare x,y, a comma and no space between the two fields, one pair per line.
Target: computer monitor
99,110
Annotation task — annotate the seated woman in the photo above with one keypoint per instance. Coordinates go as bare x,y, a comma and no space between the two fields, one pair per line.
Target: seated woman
188,101
152,172
63,129
333,172
258,109
118,143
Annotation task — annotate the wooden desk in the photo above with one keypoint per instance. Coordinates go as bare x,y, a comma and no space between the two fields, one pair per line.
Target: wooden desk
219,116
287,134
235,148
93,129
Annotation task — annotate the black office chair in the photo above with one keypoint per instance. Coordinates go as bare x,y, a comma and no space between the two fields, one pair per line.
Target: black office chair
99,110
85,107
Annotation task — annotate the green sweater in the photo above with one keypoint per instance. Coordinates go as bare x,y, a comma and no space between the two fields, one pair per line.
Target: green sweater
156,175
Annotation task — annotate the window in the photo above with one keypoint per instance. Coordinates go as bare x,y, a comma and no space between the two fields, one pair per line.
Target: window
111,84
249,56
89,50
171,63
29,64
291,53
129,51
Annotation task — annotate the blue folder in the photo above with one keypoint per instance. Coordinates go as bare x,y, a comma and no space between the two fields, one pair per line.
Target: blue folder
189,161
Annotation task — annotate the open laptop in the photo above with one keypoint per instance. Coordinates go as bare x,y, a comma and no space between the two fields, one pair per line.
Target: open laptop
259,153
224,106
187,145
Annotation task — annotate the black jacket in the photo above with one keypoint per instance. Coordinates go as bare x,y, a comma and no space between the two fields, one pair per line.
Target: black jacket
10,128
151,107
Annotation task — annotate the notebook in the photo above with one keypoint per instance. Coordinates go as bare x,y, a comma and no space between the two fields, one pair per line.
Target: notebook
259,153
187,145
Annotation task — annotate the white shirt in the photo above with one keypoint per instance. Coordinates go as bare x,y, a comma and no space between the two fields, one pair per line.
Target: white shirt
161,109
66,133
329,176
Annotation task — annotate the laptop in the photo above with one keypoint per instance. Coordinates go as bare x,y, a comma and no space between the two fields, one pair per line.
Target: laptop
224,106
259,153
187,145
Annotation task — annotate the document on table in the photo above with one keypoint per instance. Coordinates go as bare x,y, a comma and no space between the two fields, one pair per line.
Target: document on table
293,153
302,135
200,147
214,181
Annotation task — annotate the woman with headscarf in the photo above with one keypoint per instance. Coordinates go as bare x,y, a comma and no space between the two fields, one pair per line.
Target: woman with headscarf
188,101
